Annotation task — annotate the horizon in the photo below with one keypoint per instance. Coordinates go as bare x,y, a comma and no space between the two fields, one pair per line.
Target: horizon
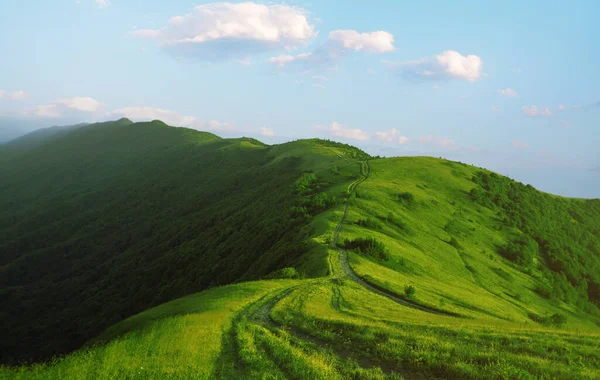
299,139
502,86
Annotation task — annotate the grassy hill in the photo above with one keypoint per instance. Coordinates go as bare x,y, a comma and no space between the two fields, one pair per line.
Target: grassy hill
109,219
411,267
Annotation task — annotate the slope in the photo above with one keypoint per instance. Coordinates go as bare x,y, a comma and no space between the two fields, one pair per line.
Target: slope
106,220
346,326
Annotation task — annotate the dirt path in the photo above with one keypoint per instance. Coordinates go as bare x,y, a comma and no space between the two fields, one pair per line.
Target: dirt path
259,311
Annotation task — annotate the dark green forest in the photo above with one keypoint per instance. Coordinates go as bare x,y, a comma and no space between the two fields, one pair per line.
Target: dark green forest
563,232
109,219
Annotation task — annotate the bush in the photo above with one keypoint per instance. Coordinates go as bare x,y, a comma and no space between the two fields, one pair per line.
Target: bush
544,291
521,250
453,242
556,319
409,291
288,272
396,221
406,198
368,246
371,223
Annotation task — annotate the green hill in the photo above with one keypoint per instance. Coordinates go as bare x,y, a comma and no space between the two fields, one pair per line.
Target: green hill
388,268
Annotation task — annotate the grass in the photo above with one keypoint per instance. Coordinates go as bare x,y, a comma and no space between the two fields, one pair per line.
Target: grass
438,243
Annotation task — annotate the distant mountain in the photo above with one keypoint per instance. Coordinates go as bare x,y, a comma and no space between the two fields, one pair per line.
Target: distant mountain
12,128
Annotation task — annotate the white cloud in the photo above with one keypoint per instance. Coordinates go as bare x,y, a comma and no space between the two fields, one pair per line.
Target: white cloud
224,30
520,145
391,136
146,33
447,65
103,3
64,107
16,95
83,103
171,118
371,42
560,107
338,44
244,61
282,60
388,136
47,110
534,111
268,132
439,141
319,85
495,109
339,130
508,92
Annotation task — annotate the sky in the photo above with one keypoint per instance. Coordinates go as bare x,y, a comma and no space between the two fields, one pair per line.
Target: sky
511,86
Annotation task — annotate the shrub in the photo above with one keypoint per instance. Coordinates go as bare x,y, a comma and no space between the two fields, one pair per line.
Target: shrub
396,221
406,198
367,246
556,319
544,291
453,242
409,291
371,223
520,250
284,273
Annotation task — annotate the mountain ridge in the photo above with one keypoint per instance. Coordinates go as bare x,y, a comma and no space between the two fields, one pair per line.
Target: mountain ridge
409,223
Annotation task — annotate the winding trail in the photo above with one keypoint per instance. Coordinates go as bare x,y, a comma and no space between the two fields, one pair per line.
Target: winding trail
259,311
350,273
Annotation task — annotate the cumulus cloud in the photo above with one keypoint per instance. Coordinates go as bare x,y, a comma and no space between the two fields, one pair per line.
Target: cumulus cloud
268,132
46,111
439,141
447,65
338,130
224,30
75,106
172,118
103,3
508,92
388,136
16,95
403,140
495,109
535,111
339,43
520,144
371,42
83,104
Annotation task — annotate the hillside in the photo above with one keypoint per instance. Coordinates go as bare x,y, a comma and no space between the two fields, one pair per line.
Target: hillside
412,267
107,220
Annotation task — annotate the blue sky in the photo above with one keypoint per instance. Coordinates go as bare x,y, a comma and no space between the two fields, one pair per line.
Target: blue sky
511,86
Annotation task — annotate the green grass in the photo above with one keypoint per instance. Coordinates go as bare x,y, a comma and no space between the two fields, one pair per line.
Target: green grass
473,313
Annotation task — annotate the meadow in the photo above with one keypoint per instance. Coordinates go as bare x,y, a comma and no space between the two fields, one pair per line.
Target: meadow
405,277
